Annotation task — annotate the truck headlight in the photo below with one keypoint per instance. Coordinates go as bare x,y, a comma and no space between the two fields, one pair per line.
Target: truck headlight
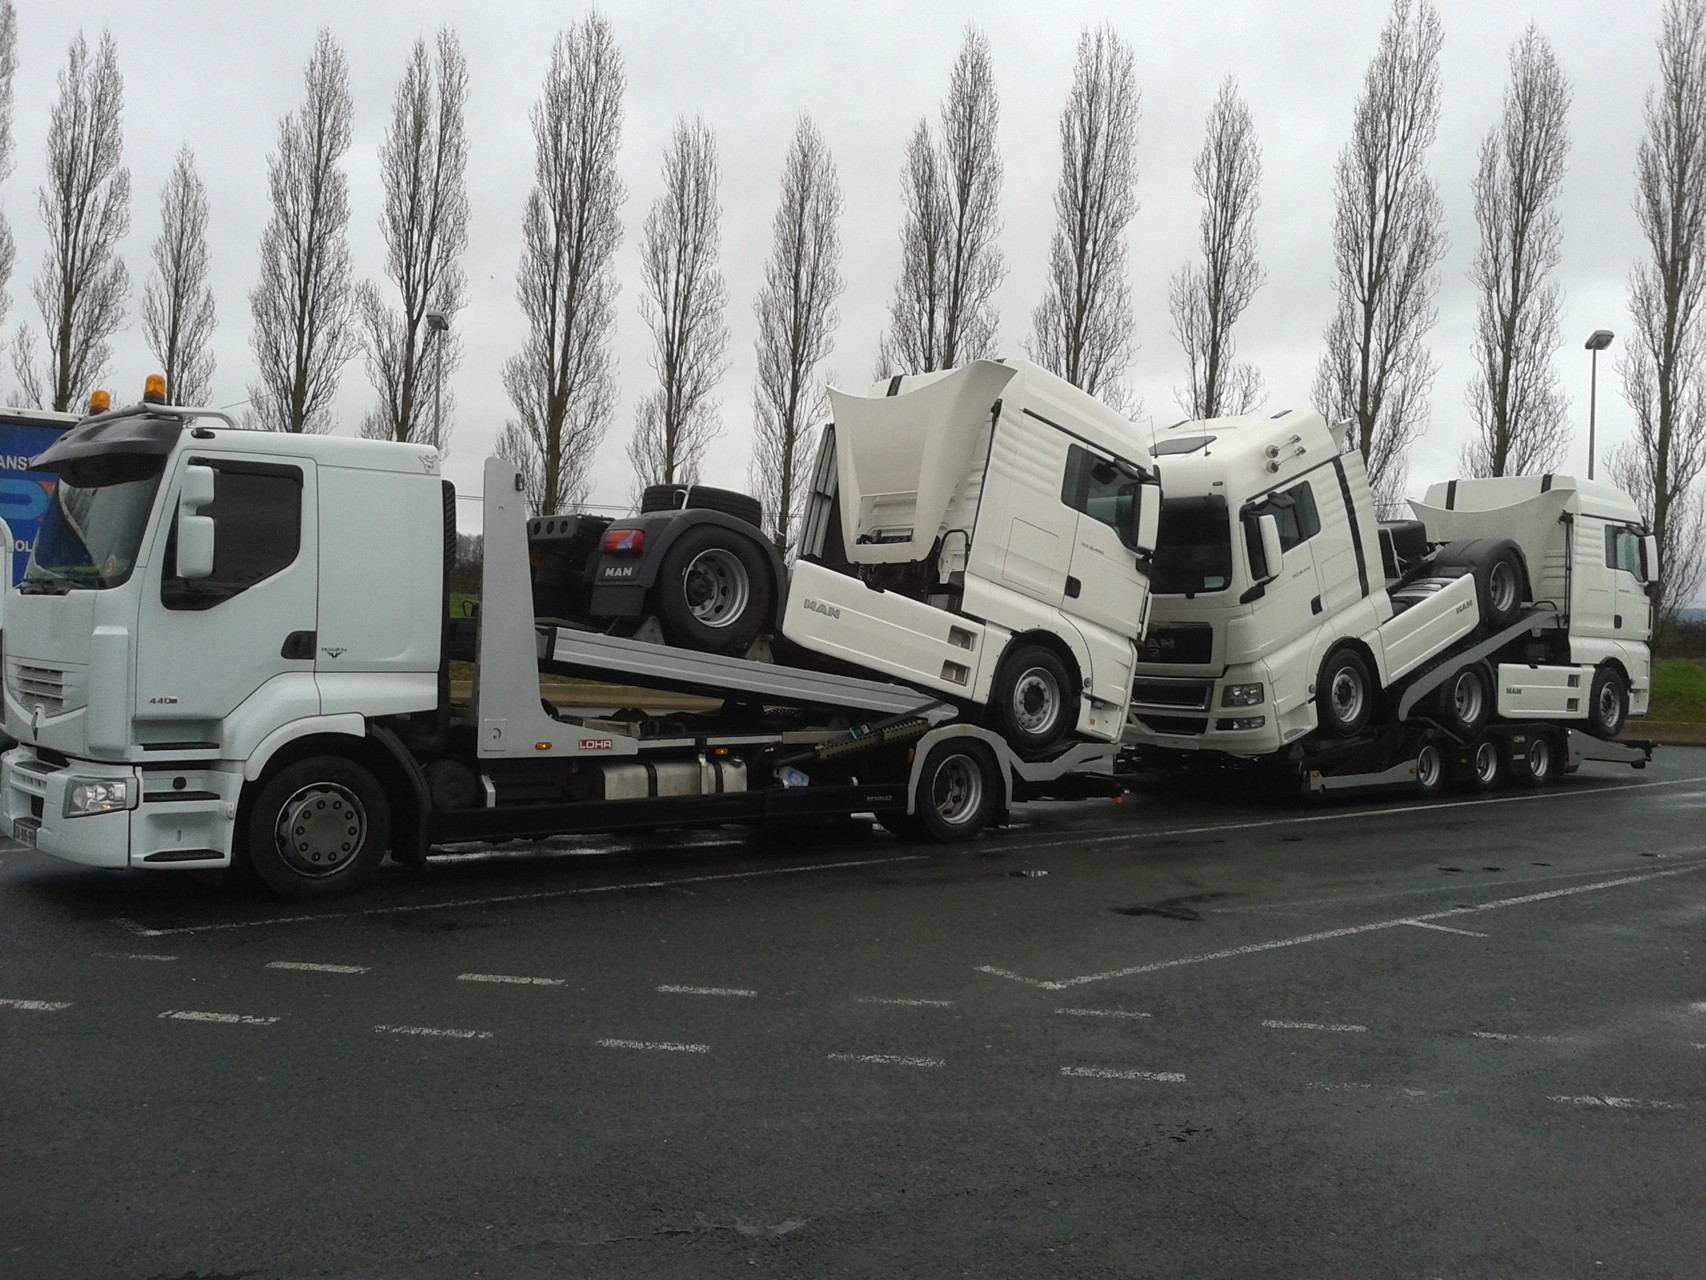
99,795
1241,695
1240,723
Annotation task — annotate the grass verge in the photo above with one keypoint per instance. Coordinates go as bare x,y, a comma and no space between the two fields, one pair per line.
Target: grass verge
1679,691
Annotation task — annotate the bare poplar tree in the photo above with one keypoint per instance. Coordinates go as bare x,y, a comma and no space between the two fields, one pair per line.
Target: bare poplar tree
1387,243
796,322
1664,362
1515,399
85,205
682,302
8,68
561,382
943,313
423,164
1082,329
177,302
303,305
1207,299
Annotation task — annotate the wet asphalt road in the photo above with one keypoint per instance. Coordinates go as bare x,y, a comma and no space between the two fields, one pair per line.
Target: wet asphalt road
1179,1037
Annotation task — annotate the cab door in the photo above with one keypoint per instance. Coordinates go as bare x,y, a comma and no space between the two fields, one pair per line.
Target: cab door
1103,583
1631,606
206,644
1291,597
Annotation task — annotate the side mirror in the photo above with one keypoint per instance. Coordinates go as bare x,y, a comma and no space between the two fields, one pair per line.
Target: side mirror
1148,531
1649,559
1272,553
195,532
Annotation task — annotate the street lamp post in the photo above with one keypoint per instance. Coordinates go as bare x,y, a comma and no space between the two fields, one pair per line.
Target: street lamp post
438,324
1598,341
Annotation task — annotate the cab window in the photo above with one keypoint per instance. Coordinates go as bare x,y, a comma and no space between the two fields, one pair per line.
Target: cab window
257,519
1623,551
1293,511
1103,490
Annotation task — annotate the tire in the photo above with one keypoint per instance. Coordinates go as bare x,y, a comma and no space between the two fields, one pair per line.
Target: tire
1033,703
675,497
1487,766
1541,761
318,828
1499,587
1430,770
1608,703
958,791
713,590
1344,694
1466,701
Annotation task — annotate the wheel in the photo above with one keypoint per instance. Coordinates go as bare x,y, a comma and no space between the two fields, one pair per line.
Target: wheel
958,790
1541,761
1430,770
1500,586
1486,766
1033,703
318,828
1608,703
674,497
713,590
1465,702
1344,694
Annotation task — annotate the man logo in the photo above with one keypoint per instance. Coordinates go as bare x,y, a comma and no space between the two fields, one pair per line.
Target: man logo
827,610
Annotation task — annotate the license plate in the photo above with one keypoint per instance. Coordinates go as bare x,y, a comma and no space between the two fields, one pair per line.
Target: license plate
24,831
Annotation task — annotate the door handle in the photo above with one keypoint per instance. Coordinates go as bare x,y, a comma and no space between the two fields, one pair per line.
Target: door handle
1073,586
298,646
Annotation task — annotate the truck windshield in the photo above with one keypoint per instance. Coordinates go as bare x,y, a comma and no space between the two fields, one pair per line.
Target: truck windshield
1193,552
90,534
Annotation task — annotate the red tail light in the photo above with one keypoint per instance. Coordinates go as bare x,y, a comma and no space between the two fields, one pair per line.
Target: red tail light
624,540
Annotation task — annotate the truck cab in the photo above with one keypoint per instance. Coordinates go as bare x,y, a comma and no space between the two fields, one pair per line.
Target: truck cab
195,606
983,532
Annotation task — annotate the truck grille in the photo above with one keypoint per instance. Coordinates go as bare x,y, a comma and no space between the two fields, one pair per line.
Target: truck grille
34,684
1178,642
1189,695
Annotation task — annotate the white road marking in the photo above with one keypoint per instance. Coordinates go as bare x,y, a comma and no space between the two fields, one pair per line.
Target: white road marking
1280,1024
1102,1013
512,979
197,1015
453,1033
1402,1091
910,1004
1626,1104
1328,934
305,967
1325,1087
37,1006
1443,928
659,1046
1109,1073
1509,1036
542,895
130,955
672,990
885,1059
1429,807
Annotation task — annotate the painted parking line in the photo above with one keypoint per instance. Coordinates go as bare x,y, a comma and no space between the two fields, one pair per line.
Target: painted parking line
201,1015
885,1059
1282,1024
36,1006
512,979
1112,1073
1326,935
132,955
448,1033
1621,1104
1103,1013
654,1046
305,966
1442,928
670,989
1513,1038
905,1004
1397,1091
544,895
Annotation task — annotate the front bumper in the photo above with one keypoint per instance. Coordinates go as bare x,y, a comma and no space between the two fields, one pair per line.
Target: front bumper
1187,713
184,818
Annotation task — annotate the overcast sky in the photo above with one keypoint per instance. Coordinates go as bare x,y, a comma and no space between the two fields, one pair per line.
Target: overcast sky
218,75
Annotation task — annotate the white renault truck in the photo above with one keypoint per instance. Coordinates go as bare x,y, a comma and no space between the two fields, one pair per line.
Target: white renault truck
1288,624
233,649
